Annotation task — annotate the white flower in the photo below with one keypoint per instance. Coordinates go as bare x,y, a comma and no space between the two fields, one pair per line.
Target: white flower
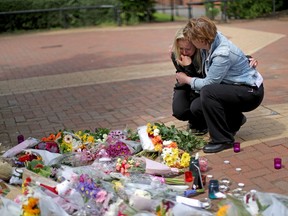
76,143
166,143
68,138
156,132
166,151
104,136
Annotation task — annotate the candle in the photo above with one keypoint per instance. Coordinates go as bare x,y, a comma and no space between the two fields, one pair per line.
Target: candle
20,138
236,147
188,176
277,163
203,163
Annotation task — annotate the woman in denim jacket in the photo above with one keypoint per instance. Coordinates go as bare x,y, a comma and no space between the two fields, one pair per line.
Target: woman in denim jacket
230,87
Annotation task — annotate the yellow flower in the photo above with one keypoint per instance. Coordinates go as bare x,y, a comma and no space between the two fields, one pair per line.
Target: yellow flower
222,210
185,159
31,209
90,139
158,147
117,185
84,137
149,128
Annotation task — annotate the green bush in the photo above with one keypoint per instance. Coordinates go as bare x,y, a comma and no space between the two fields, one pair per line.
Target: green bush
46,20
135,11
247,9
211,10
132,11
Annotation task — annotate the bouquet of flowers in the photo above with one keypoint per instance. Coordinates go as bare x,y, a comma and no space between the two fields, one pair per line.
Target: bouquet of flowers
38,167
30,203
95,197
171,155
69,142
118,149
127,165
89,189
186,141
174,157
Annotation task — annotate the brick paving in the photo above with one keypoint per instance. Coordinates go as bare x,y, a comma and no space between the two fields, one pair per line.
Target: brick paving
122,77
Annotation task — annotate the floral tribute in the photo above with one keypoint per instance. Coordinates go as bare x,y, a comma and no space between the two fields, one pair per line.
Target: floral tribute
90,190
127,165
118,149
171,155
29,202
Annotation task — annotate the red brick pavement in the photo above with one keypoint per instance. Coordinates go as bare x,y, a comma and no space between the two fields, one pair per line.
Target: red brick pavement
130,103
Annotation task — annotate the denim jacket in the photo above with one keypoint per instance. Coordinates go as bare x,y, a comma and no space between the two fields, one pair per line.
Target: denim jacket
226,63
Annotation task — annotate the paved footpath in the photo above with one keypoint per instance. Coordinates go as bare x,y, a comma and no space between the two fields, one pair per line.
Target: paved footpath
122,77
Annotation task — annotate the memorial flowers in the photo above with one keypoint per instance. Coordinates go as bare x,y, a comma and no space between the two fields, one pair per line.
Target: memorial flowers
174,157
158,133
89,189
127,165
118,149
30,203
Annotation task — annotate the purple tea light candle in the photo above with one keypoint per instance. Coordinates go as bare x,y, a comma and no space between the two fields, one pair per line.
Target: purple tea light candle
277,163
236,147
20,138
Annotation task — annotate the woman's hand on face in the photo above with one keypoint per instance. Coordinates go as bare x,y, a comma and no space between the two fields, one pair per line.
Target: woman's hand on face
184,60
253,62
182,78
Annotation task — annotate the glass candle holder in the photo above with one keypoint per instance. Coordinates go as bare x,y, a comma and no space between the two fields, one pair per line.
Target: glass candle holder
236,147
203,163
277,163
205,203
188,176
20,138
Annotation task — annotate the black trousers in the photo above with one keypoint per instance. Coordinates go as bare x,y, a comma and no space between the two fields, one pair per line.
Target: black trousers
219,106
184,108
222,106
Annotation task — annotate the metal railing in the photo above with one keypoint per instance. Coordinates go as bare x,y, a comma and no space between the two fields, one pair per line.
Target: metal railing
62,12
224,12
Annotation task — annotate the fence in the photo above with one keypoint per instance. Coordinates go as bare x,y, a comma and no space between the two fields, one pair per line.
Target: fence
117,10
62,12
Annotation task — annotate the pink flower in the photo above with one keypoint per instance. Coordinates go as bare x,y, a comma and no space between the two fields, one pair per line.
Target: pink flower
101,196
118,167
122,170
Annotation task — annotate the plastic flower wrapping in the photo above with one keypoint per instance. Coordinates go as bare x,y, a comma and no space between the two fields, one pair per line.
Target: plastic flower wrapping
254,203
105,172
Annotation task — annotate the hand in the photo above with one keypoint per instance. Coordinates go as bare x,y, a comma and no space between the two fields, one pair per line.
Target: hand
182,78
184,60
253,62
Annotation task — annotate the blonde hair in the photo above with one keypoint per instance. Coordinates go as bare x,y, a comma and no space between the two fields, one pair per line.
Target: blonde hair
201,29
176,49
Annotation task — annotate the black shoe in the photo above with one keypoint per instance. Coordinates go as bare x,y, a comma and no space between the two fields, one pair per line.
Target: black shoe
244,119
213,148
